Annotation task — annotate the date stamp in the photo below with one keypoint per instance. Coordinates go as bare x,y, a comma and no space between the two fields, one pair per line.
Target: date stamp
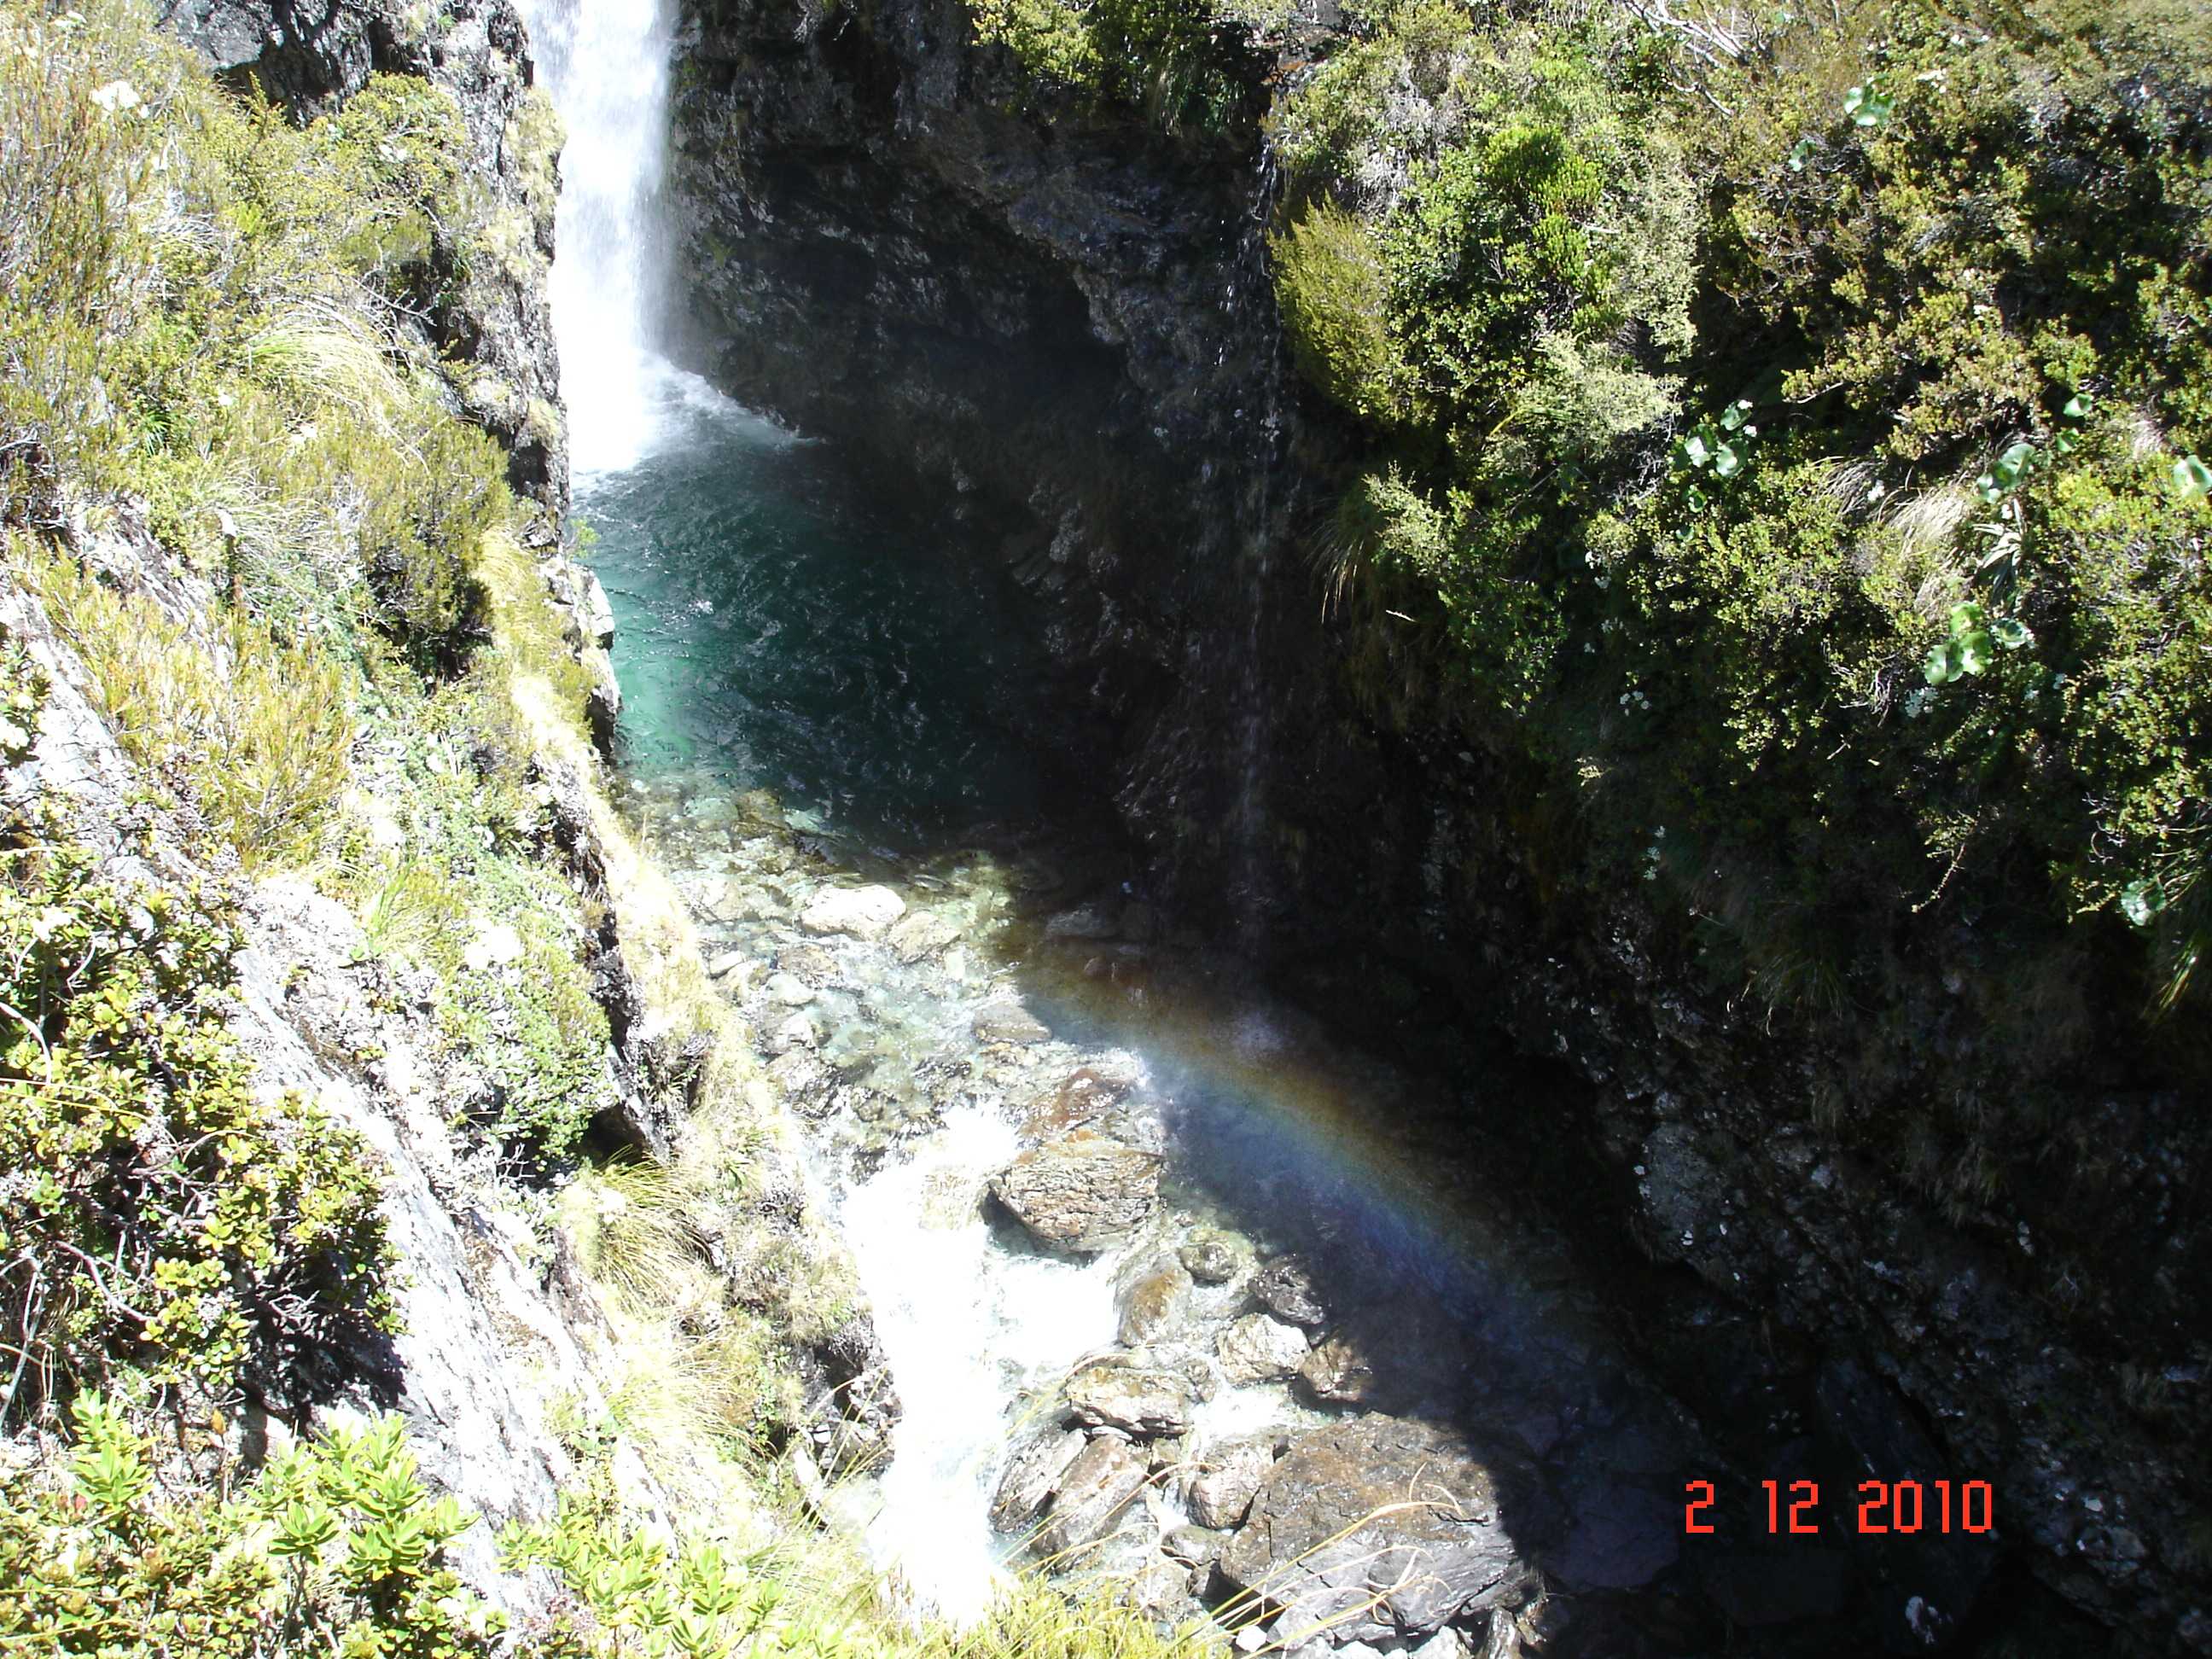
1884,1506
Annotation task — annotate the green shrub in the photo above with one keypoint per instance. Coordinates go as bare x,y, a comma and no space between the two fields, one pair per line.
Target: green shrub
1950,287
1334,293
154,1210
1176,60
335,1547
419,543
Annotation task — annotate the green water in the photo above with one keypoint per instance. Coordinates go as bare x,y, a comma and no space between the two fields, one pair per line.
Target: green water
778,629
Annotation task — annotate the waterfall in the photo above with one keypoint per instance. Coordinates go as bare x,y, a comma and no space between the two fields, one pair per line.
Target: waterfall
605,63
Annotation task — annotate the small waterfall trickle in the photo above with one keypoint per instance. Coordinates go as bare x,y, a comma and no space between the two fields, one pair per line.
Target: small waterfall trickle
605,63
1255,703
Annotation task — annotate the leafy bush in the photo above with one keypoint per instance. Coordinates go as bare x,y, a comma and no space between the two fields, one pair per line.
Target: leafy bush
1176,60
335,1547
154,1210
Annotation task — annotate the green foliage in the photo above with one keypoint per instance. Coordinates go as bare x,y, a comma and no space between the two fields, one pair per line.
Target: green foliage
1177,61
154,1210
255,732
1480,311
514,999
1335,294
636,1593
254,302
1920,604
336,1547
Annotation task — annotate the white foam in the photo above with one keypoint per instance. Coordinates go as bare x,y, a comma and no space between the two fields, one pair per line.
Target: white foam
965,1327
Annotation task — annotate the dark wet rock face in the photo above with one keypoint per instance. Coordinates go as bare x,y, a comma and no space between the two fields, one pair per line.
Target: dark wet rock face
1425,1540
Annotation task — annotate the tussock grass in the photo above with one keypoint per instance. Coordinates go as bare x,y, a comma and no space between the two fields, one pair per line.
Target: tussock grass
255,732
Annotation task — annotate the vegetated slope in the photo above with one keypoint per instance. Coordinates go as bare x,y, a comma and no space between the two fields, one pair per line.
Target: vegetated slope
1782,452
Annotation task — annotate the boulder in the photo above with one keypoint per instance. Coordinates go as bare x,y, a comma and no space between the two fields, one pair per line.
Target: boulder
1194,1546
1212,1256
1008,1022
1083,1097
1285,1287
1235,1470
1081,1194
1153,1304
1339,1373
1139,1401
923,933
811,964
796,1032
1032,1477
864,912
1382,1530
1105,1476
789,990
1259,1348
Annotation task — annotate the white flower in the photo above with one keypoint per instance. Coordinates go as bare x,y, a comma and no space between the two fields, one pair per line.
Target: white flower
116,97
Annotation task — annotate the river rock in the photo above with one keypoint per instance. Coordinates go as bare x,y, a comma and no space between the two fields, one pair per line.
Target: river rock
796,1032
1008,1022
802,1078
809,963
1212,1256
1081,1194
923,933
1093,1491
1153,1304
1142,1401
1194,1546
864,912
1422,1540
1339,1373
1033,1476
1083,1097
1220,1496
1285,1287
1259,1348
790,990
1089,921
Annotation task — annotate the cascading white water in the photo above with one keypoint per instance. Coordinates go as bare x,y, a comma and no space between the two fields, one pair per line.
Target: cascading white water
605,63
964,1325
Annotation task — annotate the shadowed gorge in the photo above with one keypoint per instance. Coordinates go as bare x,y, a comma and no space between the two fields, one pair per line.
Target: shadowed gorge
1105,830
